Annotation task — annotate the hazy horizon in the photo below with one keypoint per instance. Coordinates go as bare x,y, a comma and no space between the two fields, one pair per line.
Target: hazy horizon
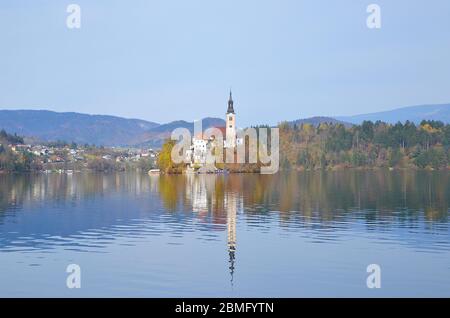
338,117
163,61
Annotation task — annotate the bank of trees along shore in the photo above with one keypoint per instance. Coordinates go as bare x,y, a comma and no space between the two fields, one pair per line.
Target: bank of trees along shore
402,145
9,160
89,157
323,146
369,145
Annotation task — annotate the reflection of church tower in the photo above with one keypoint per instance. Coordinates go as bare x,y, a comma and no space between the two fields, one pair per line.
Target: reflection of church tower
231,124
231,206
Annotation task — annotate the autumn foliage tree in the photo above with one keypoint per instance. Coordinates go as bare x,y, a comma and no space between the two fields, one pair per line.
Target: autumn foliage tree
164,160
333,145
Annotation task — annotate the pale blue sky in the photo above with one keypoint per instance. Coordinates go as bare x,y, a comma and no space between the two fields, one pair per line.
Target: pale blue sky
168,60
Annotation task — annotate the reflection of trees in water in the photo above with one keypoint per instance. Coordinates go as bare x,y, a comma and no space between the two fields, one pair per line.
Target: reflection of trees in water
20,189
170,190
381,198
327,196
378,198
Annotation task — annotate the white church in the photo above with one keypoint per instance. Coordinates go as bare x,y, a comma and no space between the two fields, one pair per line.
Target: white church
201,146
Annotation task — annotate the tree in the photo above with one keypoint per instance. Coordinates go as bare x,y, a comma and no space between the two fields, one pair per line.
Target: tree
164,160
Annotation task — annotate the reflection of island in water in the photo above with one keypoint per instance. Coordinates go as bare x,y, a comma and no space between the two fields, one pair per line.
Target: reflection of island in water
325,200
206,193
231,222
87,212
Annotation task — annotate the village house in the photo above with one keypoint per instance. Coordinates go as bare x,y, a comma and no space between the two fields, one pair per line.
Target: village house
20,148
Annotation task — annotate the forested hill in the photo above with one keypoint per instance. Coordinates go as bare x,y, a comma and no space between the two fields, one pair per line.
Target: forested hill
408,145
100,130
81,128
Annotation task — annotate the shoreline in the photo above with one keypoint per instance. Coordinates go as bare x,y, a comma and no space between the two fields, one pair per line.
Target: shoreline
333,169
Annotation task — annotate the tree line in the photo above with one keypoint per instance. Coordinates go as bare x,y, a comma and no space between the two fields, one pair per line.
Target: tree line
9,160
379,144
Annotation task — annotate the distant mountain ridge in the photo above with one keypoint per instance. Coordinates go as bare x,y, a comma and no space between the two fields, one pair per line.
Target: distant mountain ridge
412,113
156,136
317,120
45,125
206,123
81,128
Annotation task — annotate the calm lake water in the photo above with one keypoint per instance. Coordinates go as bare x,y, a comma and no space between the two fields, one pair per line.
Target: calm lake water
286,235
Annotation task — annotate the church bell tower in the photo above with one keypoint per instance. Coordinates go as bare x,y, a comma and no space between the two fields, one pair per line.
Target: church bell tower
230,124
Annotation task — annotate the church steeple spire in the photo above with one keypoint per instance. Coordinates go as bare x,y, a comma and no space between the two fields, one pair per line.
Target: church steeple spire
230,121
230,104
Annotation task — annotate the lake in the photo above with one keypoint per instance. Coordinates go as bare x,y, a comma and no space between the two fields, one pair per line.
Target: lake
293,234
